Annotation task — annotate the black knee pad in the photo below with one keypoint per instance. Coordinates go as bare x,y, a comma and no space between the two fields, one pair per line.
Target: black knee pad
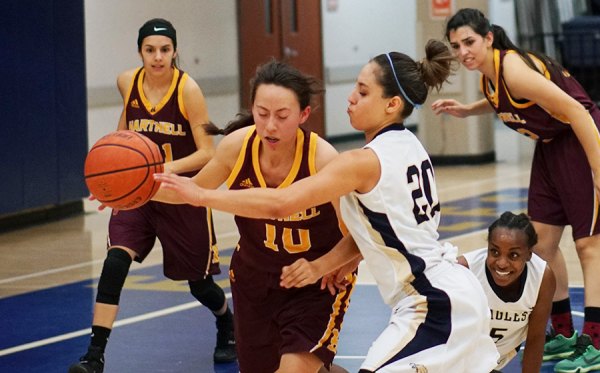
208,293
114,272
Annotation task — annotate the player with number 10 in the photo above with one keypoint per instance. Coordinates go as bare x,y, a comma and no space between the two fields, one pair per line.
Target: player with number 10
391,208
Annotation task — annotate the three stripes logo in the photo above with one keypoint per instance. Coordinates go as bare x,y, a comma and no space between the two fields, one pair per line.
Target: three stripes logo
135,104
246,183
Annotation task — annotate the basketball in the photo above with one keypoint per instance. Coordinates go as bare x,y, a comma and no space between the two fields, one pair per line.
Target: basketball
119,169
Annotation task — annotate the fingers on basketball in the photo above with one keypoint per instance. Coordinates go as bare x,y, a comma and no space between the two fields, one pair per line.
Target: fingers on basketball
119,169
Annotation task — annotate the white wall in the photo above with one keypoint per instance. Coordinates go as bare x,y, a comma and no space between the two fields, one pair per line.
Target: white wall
206,36
354,31
509,146
206,41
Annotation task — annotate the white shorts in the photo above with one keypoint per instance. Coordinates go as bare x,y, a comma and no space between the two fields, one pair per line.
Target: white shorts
442,326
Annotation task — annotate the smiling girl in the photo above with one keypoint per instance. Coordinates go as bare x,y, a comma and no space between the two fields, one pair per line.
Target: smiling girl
535,96
519,287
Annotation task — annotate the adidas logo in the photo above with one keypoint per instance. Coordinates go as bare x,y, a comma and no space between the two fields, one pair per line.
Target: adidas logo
135,104
246,183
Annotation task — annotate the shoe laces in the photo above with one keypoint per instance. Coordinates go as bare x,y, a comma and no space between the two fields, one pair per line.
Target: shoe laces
581,346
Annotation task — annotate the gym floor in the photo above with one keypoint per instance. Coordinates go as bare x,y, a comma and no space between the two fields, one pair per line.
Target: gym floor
48,275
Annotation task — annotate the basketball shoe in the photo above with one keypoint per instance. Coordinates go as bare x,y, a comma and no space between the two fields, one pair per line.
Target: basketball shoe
225,348
585,358
92,362
558,346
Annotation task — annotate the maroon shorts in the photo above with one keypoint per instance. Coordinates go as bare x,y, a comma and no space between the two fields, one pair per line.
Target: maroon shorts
561,189
270,322
185,232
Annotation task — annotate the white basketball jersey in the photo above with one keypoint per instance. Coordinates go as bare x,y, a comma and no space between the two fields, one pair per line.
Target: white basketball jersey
509,320
395,224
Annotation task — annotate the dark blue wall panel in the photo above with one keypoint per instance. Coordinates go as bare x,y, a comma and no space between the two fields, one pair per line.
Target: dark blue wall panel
71,103
39,114
46,139
12,139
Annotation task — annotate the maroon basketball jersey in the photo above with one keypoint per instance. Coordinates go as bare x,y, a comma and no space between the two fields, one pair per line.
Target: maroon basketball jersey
269,244
525,116
165,123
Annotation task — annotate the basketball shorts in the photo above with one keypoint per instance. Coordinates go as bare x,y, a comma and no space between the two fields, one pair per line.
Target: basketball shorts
561,189
270,322
185,232
441,326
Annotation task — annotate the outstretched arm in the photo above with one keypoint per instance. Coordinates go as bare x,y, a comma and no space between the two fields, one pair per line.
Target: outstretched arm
214,173
352,170
460,110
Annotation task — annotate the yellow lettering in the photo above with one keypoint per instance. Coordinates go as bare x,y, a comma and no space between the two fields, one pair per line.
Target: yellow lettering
291,246
302,215
149,125
287,237
511,118
270,237
528,133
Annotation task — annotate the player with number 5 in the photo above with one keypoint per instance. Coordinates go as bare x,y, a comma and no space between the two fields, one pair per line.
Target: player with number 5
390,205
519,288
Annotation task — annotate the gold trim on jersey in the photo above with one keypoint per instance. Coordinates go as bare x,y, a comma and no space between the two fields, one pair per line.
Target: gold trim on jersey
493,95
297,160
255,149
213,253
312,151
484,82
126,101
596,211
342,302
153,109
240,161
524,105
180,96
291,176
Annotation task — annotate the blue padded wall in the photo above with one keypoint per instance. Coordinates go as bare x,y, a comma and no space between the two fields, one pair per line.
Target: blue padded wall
45,141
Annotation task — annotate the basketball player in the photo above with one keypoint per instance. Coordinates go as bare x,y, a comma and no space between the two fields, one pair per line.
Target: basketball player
440,318
537,97
519,289
277,329
165,104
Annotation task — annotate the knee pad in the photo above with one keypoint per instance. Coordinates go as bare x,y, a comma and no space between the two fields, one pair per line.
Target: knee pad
114,272
208,293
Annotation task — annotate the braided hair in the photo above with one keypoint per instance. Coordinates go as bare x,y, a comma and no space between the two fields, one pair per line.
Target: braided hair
520,222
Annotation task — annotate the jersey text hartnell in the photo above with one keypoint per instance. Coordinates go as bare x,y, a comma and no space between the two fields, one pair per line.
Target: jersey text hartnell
302,215
149,125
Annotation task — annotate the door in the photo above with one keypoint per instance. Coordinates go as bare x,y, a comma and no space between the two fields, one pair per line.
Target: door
287,30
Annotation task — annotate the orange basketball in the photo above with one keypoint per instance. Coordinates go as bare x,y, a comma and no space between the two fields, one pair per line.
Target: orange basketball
119,169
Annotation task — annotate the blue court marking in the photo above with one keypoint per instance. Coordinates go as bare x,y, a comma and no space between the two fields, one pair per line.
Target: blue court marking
476,213
183,341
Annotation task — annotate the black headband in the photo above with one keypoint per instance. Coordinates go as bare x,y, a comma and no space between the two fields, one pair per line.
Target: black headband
157,27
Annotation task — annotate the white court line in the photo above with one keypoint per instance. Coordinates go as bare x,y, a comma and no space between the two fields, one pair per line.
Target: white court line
79,333
75,266
50,271
136,319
